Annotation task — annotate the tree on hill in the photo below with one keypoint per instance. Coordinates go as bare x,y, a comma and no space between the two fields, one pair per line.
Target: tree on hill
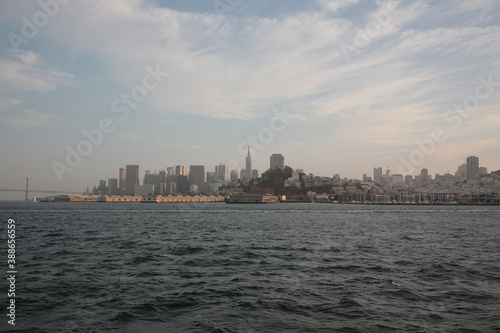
275,179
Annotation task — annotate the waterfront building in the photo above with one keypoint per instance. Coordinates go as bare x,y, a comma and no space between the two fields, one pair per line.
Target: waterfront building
172,189
197,176
122,178
112,186
132,179
141,190
182,184
154,179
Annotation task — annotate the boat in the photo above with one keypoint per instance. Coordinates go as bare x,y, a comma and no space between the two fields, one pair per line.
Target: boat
251,198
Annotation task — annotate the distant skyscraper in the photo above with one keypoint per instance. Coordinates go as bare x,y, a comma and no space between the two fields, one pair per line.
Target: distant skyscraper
472,167
144,189
122,176
182,184
249,164
233,175
255,173
112,186
172,188
163,181
222,172
277,161
132,179
377,175
424,175
211,177
197,176
154,179
102,189
180,170
461,171
171,171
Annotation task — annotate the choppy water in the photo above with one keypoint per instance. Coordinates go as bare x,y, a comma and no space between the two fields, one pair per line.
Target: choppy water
131,267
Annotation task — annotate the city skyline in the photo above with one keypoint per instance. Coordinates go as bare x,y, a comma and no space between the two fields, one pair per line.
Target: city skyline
200,177
334,86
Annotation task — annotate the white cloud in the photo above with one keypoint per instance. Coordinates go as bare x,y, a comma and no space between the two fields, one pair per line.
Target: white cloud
7,103
24,71
335,5
29,118
394,90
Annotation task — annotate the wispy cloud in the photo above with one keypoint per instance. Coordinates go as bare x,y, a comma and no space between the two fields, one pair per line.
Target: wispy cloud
29,118
7,103
26,71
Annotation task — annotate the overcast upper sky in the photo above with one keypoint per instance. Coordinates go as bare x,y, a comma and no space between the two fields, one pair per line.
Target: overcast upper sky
357,83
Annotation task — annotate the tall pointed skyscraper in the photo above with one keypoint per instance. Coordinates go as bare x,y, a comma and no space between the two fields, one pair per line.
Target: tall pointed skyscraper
249,164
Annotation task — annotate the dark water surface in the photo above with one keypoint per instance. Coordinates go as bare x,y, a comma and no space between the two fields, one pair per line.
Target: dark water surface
131,267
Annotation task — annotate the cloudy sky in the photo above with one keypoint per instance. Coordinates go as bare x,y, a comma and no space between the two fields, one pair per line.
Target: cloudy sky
336,86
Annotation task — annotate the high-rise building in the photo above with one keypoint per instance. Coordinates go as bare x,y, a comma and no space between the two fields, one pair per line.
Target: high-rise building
170,179
131,179
424,175
182,184
472,167
102,189
122,176
277,161
248,161
163,181
461,171
377,175
211,177
197,176
172,187
255,173
154,179
233,175
112,186
181,170
222,172
171,171
144,189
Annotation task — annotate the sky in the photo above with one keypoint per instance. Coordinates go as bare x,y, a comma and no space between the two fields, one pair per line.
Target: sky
337,87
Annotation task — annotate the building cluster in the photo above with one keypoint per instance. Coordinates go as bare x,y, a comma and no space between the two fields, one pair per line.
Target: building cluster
180,179
470,183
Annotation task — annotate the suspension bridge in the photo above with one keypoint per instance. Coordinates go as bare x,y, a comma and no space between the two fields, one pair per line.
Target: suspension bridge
27,190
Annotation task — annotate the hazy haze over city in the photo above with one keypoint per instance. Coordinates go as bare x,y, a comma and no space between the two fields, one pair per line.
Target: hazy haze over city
356,84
